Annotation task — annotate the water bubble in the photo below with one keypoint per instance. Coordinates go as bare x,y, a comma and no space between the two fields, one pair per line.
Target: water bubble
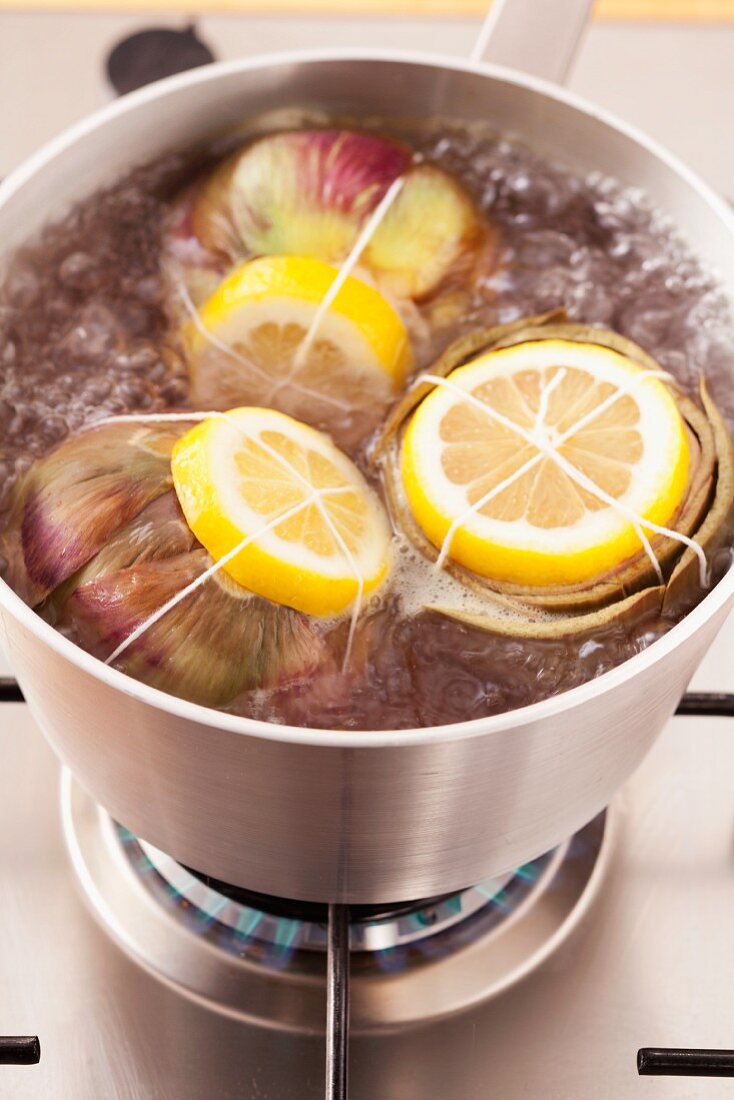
175,392
134,394
148,290
544,248
138,359
592,303
489,194
78,271
157,373
554,287
93,335
22,286
647,321
52,429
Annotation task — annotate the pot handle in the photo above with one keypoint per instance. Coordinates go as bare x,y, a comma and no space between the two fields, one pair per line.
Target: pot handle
539,37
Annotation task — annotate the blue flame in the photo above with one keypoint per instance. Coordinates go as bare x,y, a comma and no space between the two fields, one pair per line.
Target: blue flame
272,942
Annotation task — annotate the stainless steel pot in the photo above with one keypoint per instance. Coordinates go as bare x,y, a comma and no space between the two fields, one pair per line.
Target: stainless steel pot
357,817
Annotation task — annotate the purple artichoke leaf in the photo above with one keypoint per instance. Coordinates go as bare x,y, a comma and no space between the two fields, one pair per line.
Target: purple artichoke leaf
215,644
76,498
158,532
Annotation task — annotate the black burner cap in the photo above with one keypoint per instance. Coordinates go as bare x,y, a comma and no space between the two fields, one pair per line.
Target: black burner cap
152,54
314,912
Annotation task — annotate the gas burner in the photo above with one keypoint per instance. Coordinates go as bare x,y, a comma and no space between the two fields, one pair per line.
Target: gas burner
152,54
244,918
314,912
437,958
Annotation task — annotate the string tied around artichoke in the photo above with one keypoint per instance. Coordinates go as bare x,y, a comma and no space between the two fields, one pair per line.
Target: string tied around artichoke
631,588
345,270
549,448
248,364
313,497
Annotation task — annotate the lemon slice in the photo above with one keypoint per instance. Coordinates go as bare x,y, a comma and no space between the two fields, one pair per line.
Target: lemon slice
534,463
247,344
313,534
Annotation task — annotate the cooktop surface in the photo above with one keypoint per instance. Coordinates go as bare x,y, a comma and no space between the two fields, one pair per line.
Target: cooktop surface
650,964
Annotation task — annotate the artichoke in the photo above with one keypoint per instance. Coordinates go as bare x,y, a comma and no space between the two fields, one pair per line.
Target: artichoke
634,587
97,543
217,643
70,503
310,192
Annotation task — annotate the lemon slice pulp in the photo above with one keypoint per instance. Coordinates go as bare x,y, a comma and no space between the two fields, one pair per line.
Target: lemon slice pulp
312,533
535,463
247,344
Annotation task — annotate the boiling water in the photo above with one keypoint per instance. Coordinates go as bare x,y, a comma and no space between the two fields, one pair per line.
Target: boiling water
83,328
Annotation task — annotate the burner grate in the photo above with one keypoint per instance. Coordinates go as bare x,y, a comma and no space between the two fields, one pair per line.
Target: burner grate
10,691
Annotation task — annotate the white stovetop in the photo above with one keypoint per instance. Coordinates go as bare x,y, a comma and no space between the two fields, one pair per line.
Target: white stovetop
676,82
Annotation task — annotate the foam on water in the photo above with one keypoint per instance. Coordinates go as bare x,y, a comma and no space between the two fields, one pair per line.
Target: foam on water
418,584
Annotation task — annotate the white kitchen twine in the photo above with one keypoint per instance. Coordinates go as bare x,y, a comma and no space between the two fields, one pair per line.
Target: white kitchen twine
549,449
314,496
345,271
248,364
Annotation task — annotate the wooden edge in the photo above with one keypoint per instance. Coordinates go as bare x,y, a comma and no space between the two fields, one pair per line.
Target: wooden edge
633,11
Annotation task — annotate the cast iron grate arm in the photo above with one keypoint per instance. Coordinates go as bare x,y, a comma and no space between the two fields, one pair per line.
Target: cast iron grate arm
19,1050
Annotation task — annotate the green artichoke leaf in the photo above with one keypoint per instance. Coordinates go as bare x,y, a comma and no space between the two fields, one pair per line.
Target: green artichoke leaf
630,589
213,645
647,602
684,587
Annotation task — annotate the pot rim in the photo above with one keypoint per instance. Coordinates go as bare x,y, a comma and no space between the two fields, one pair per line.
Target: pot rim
357,739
